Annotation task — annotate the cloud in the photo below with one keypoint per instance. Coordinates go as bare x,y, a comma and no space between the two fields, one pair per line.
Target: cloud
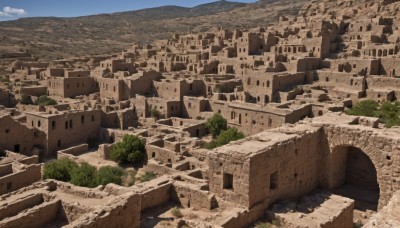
10,12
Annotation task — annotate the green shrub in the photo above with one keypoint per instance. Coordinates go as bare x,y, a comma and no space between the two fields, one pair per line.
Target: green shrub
176,212
216,124
148,176
130,150
263,225
364,108
232,134
84,175
59,169
155,114
109,174
387,112
45,101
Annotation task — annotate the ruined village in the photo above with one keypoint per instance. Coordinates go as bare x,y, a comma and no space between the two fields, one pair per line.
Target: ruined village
299,156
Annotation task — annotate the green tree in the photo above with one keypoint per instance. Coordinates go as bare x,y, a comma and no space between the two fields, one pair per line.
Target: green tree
59,169
84,175
45,101
130,150
109,174
216,124
364,108
232,134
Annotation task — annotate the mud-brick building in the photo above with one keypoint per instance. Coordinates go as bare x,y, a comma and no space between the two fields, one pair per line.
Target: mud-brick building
65,129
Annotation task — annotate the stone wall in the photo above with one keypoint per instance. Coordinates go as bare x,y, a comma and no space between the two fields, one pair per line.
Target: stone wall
155,193
35,217
123,211
20,205
190,195
17,180
76,150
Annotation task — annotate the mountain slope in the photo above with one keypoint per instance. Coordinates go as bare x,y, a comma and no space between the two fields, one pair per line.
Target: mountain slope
50,37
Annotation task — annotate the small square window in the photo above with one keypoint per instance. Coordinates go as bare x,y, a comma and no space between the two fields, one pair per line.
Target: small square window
228,181
7,131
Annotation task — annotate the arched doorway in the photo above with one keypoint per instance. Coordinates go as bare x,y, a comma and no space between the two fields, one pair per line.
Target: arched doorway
354,175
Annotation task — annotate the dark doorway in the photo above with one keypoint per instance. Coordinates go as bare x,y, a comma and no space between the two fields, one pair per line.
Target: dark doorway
17,148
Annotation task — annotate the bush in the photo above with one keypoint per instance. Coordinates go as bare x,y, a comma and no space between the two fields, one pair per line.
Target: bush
216,124
263,225
109,174
3,153
176,212
155,114
130,150
232,134
59,169
84,175
25,99
387,112
45,101
148,176
364,108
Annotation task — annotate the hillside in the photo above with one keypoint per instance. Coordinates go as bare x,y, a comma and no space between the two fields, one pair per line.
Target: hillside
106,33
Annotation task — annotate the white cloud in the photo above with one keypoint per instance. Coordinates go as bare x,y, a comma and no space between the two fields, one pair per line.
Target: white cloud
10,12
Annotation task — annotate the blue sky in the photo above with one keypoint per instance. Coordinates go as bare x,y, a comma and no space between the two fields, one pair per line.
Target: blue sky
13,9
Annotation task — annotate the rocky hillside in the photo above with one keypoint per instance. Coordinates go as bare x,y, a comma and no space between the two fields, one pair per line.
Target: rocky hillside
107,33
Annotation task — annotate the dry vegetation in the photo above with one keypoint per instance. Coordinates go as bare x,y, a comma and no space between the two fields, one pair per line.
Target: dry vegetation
108,33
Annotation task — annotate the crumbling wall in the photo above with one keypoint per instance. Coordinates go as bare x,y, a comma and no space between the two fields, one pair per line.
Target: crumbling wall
20,179
76,150
155,193
19,205
35,217
123,211
190,195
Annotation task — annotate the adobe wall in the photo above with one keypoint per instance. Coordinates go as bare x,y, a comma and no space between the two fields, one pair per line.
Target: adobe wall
113,88
382,148
5,170
14,136
390,67
161,154
191,195
288,162
122,211
20,179
36,91
76,150
14,208
65,130
35,217
249,119
155,193
385,83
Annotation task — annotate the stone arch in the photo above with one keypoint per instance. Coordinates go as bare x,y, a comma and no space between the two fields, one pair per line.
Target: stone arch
353,174
372,146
